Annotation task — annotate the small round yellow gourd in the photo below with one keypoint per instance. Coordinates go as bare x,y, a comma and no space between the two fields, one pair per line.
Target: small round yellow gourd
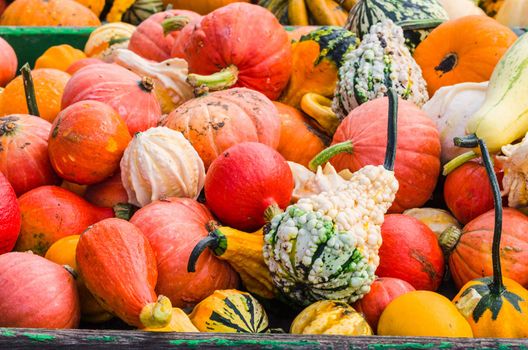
59,57
179,322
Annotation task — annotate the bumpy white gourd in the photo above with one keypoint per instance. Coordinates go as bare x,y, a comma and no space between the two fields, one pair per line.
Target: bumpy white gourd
161,163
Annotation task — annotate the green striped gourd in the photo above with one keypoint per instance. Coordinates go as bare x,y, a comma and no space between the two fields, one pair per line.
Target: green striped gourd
141,10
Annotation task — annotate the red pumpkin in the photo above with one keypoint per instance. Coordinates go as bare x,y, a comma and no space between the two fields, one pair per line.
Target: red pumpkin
410,251
9,216
417,155
36,293
184,35
87,141
382,292
50,213
118,265
77,65
108,193
24,152
149,39
129,94
173,227
259,55
8,61
244,181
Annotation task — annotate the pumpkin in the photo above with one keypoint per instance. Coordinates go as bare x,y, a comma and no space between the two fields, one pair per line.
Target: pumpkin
446,57
140,11
417,156
179,322
87,141
202,7
173,227
330,317
108,193
219,120
24,157
96,6
418,258
184,34
296,32
36,293
316,59
230,311
8,68
118,265
423,313
49,85
59,57
129,94
382,292
83,62
438,220
63,13
460,8
150,40
304,12
62,252
9,216
104,40
50,213
259,59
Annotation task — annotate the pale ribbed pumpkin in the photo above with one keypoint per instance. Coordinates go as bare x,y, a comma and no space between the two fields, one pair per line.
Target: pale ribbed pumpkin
103,41
161,163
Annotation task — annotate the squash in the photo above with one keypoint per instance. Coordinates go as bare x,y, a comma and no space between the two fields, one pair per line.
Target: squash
243,251
96,6
62,252
140,11
202,7
330,317
104,40
108,193
50,213
423,313
305,12
438,220
296,32
83,62
8,67
446,57
184,34
230,311
173,227
87,141
381,61
513,13
59,57
221,52
130,95
179,322
118,265
316,59
36,293
219,120
24,157
63,13
10,223
170,85
246,182
460,8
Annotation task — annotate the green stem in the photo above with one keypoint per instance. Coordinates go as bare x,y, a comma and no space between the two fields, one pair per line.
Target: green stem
420,24
174,23
458,161
224,79
392,131
29,90
330,152
468,141
207,242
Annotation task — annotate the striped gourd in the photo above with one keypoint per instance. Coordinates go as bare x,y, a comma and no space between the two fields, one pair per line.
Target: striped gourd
141,10
334,43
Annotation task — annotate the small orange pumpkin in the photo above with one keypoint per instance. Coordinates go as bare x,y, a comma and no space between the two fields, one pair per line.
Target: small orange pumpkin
60,57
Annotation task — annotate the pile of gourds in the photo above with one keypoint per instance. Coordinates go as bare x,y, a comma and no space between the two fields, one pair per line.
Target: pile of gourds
183,173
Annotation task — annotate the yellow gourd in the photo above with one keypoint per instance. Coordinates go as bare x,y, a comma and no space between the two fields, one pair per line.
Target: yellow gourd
59,57
106,39
179,322
95,5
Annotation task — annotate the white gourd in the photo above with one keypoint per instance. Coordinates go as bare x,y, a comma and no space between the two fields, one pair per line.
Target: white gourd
105,40
460,8
160,163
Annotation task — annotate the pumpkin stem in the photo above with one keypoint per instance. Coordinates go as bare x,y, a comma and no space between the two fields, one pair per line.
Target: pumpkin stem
147,84
392,133
158,314
271,211
71,271
330,152
416,24
449,238
458,161
29,89
211,241
224,79
124,210
319,108
448,63
174,23
468,141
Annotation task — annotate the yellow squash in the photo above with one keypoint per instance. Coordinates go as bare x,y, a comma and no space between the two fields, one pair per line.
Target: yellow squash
59,57
179,322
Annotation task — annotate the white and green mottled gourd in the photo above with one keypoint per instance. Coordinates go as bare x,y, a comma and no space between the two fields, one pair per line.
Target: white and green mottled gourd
381,61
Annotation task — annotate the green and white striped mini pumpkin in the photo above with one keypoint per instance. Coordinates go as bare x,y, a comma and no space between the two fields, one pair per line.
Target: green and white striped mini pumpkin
141,10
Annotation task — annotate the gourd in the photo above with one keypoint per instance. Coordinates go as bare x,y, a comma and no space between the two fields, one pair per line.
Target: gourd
460,8
130,95
222,53
104,40
438,220
243,251
330,317
305,12
118,265
380,61
493,306
203,7
447,57
230,311
179,170
59,57
219,120
139,11
316,59
179,322
513,13
36,293
96,6
173,227
8,67
10,217
170,85
87,141
514,168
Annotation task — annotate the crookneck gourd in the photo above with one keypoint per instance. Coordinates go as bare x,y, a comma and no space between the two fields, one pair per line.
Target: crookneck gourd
381,61
306,12
326,245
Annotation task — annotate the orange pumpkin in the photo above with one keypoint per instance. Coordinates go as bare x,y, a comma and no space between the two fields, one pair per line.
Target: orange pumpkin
108,193
59,57
48,13
8,62
466,49
203,7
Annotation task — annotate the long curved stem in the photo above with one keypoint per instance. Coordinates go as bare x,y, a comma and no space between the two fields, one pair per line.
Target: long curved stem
29,90
392,131
207,242
224,79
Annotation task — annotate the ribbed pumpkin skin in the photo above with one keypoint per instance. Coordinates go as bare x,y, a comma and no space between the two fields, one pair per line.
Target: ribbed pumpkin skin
9,62
9,216
36,293
471,258
262,55
24,158
221,119
120,89
173,227
150,42
48,13
418,151
118,266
